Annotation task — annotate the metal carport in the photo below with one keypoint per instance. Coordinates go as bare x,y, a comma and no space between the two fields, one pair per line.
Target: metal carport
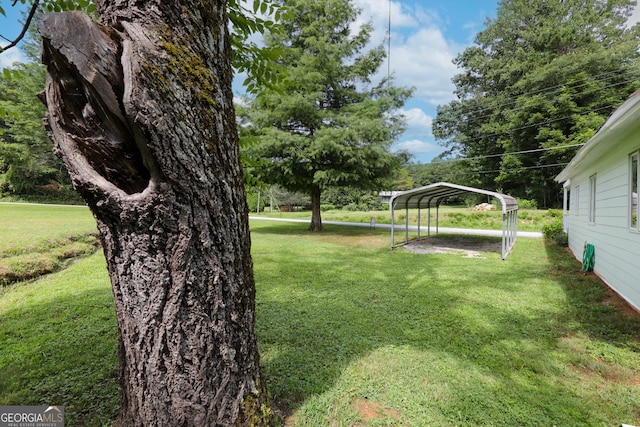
434,194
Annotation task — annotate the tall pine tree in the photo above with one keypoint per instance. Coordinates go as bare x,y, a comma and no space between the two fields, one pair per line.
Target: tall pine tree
326,124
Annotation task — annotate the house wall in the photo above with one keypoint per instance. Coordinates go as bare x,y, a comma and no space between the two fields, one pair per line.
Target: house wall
617,247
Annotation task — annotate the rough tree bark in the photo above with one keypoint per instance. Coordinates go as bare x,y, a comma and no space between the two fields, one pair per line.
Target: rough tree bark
140,110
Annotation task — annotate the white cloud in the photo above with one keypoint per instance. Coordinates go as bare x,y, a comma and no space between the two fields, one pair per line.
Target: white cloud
635,17
377,13
418,120
425,62
420,55
417,146
241,100
10,56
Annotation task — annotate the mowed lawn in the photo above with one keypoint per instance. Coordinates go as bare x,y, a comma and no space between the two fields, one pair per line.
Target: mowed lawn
354,334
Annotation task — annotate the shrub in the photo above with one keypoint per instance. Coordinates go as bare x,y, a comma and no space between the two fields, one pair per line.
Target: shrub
355,207
527,204
327,207
554,230
252,201
479,215
554,213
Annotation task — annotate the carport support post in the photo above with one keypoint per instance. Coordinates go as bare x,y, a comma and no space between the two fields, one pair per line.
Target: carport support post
406,224
429,221
418,222
393,226
504,229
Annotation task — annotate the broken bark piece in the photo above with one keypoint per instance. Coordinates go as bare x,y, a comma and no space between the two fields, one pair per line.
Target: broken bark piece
86,84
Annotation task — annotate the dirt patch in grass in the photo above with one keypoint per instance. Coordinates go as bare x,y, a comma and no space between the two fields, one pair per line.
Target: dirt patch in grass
355,239
620,304
468,247
369,410
599,373
285,413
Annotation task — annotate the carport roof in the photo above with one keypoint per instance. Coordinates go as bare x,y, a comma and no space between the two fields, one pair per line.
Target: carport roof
432,195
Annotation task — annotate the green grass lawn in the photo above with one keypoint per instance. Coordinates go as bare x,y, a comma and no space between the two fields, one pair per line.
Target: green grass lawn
449,216
39,239
353,334
59,340
23,226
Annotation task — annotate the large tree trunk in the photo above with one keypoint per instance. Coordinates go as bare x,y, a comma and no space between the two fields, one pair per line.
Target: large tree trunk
140,110
316,218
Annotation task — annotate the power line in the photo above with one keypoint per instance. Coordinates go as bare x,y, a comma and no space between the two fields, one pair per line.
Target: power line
537,124
555,88
489,156
389,45
502,110
510,170
546,122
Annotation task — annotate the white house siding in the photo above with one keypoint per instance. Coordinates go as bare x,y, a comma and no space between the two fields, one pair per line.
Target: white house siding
617,248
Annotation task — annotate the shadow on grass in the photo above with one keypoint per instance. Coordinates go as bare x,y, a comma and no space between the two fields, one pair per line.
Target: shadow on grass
62,351
490,332
302,229
602,313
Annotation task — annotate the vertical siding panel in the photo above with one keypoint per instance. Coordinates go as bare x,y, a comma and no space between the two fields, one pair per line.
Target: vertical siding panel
617,248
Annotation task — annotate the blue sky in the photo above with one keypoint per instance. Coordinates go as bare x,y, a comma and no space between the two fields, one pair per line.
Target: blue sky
425,37
10,28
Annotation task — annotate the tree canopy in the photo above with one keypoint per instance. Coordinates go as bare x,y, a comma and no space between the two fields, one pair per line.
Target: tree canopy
248,57
326,124
27,163
538,82
28,166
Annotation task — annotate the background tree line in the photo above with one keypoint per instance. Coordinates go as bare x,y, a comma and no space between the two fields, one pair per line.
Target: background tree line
539,81
27,163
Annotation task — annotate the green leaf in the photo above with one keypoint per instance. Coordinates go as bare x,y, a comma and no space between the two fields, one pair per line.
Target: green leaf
247,56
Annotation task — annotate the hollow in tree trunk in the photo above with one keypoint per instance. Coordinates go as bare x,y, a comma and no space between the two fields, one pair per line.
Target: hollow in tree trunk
140,111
